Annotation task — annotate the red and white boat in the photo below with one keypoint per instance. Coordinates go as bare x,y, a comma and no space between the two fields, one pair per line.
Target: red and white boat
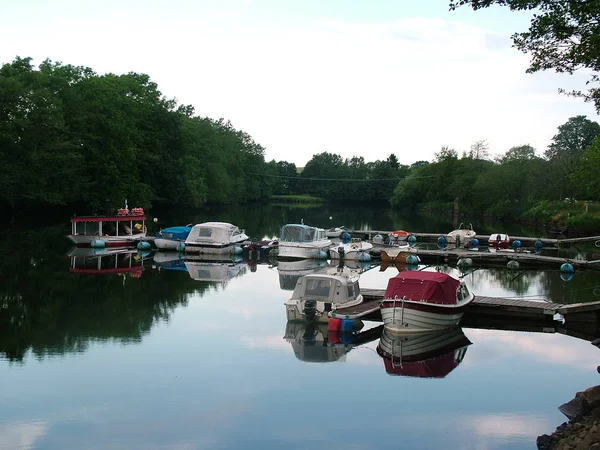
423,355
398,235
416,301
499,240
124,229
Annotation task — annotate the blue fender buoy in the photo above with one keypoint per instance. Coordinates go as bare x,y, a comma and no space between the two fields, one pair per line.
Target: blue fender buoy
474,243
411,267
98,243
144,253
346,325
412,260
321,254
538,245
566,276
364,256
412,239
441,242
143,245
516,244
567,268
236,250
346,337
181,247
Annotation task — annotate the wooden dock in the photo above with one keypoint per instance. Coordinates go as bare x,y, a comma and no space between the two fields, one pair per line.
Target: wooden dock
581,320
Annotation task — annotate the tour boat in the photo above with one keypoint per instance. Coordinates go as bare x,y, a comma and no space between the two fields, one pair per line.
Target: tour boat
421,301
299,241
172,238
124,229
215,238
355,250
461,236
499,240
317,294
423,355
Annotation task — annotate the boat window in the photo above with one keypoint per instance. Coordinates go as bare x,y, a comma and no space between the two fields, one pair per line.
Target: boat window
205,232
351,292
291,234
318,288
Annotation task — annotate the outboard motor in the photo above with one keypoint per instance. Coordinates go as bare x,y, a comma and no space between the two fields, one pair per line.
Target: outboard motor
341,251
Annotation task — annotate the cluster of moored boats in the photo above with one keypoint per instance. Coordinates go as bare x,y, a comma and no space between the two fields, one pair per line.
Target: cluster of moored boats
414,301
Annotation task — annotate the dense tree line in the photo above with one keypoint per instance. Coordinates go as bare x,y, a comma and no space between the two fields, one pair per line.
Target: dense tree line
69,136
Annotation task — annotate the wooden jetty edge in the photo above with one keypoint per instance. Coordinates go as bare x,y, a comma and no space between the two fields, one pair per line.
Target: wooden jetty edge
579,320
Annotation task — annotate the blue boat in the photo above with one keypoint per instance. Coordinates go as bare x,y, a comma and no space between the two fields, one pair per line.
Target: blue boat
172,238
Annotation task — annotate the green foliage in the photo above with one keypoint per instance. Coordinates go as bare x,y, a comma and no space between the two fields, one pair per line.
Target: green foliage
563,36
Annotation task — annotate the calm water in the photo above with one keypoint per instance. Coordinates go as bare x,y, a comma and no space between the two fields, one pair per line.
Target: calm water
157,359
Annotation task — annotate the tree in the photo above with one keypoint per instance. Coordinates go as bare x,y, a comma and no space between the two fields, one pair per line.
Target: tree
519,153
479,150
563,35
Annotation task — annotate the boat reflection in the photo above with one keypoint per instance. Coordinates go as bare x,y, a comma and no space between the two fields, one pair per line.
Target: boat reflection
291,271
423,355
99,261
216,268
313,342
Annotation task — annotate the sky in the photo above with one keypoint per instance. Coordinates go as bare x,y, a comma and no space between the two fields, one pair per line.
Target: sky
363,78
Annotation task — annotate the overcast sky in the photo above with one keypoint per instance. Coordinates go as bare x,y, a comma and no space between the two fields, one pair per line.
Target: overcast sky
353,77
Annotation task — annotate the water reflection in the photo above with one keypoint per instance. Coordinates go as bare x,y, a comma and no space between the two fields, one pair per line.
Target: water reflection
313,342
291,271
107,261
423,355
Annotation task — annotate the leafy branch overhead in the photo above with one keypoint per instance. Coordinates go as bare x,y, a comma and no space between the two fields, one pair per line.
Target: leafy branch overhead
563,35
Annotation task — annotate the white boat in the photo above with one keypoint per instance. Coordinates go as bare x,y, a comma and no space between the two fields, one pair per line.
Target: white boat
123,229
423,355
499,240
317,294
335,232
299,241
355,250
461,236
419,301
172,238
215,238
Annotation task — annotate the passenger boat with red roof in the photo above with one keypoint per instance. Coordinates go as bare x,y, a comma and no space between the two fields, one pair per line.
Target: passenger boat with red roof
422,301
124,229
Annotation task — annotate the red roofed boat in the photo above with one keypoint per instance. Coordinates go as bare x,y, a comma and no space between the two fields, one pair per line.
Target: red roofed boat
423,301
124,229
423,355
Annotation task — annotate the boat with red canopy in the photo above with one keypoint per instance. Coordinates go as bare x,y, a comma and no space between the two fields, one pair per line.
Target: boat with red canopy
421,301
124,229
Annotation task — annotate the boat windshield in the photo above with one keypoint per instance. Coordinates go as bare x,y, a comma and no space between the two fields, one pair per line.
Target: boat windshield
318,288
353,290
297,233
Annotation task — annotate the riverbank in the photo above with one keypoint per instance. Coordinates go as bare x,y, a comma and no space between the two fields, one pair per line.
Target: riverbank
582,431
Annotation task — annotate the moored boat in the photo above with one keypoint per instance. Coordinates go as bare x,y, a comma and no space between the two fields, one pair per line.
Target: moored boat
172,238
398,236
462,236
420,301
317,294
423,355
499,240
335,232
299,241
215,238
123,229
355,250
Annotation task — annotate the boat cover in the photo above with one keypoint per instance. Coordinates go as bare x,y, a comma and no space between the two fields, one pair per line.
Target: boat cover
175,233
431,287
437,367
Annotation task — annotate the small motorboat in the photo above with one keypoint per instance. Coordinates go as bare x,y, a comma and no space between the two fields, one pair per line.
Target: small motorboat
300,241
462,236
422,301
335,232
398,235
318,294
499,240
172,238
215,238
355,250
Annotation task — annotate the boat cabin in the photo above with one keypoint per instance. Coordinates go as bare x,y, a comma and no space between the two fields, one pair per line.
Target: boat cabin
302,233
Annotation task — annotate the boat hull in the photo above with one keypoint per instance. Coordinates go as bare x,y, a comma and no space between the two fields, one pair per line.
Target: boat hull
167,244
83,240
350,252
418,317
212,249
302,250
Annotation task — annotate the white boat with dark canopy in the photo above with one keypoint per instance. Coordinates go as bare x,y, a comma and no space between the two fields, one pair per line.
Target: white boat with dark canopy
299,241
215,238
420,301
318,294
123,229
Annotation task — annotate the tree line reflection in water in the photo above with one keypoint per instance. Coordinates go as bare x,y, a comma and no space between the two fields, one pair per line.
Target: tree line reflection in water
56,302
